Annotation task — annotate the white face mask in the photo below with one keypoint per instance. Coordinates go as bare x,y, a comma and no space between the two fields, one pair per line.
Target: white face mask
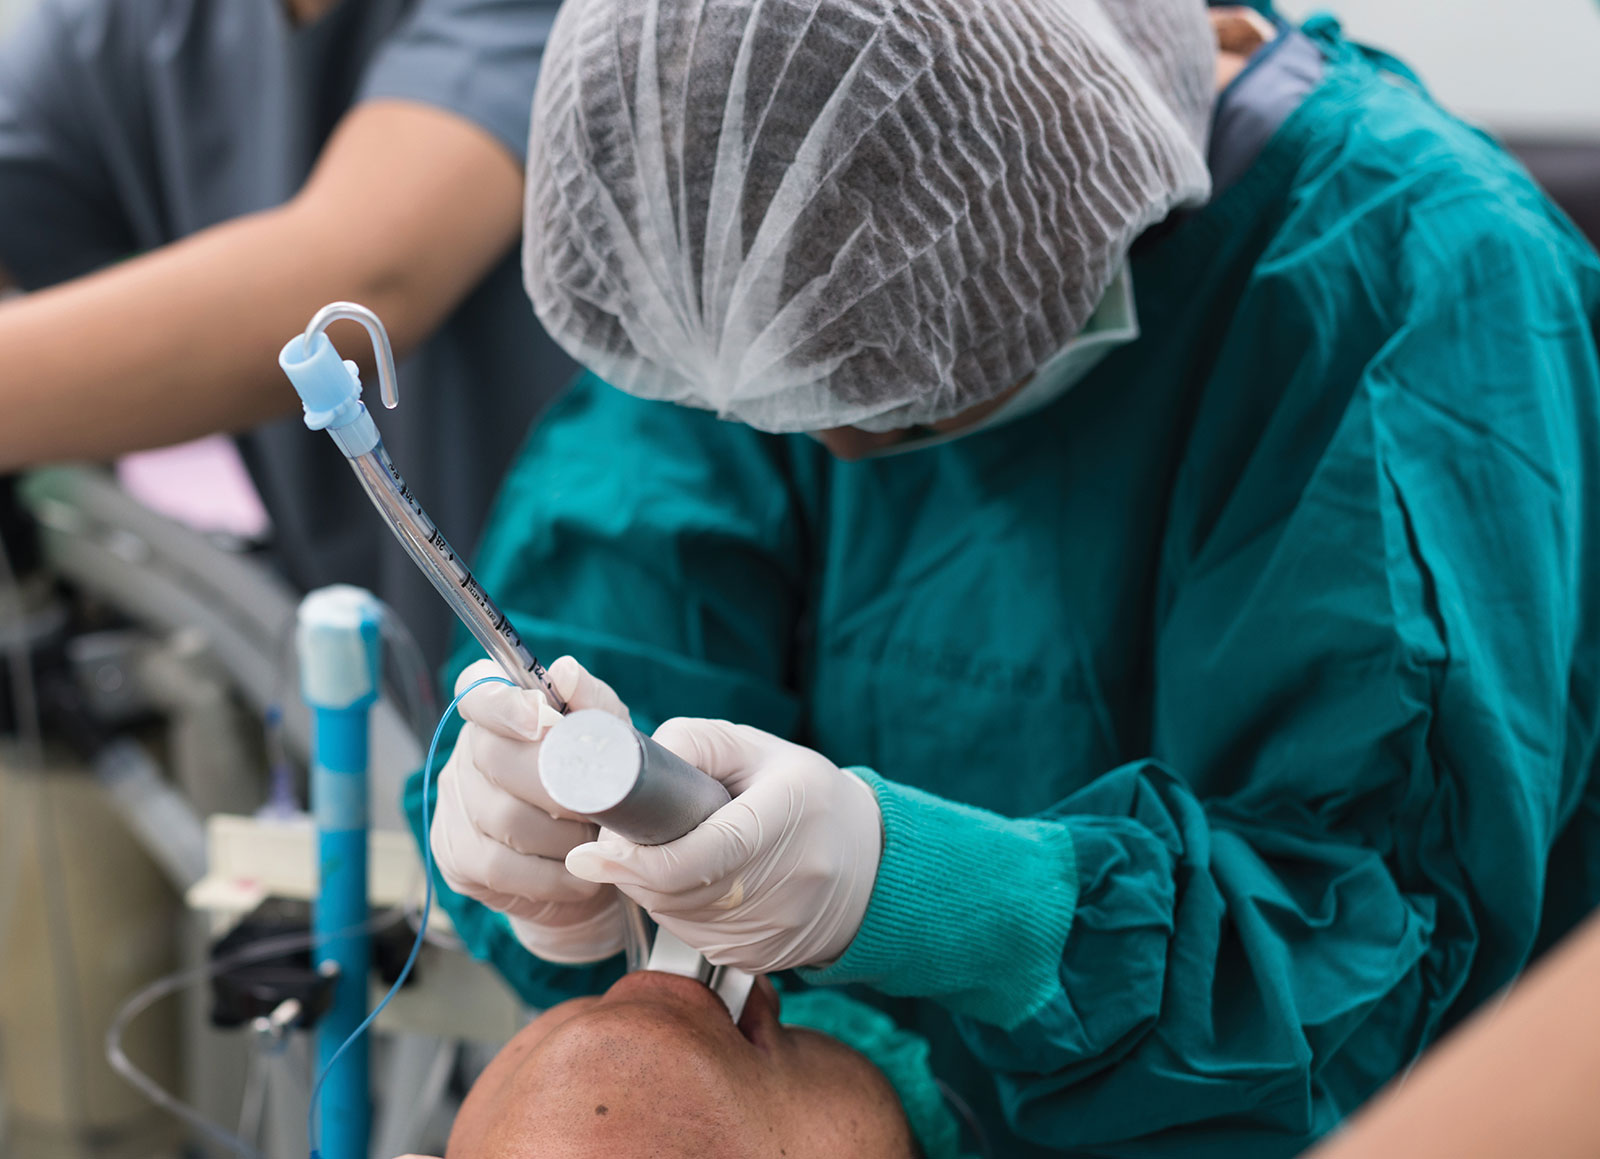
1114,324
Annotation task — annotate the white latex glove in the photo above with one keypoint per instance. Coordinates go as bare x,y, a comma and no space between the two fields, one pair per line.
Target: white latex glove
499,839
777,878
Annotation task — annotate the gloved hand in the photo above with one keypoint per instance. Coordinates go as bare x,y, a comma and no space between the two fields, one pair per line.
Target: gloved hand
496,835
777,878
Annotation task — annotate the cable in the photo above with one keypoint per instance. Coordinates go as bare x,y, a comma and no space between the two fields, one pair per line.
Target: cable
254,1101
281,797
414,680
429,1095
172,983
964,1109
435,936
422,931
163,987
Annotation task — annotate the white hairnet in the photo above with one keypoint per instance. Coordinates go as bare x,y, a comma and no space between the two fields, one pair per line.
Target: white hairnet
815,213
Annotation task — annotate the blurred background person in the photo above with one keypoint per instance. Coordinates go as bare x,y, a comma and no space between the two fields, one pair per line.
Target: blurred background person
1518,1079
182,185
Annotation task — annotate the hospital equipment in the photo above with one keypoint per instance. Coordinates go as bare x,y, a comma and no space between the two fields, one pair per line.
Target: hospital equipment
189,643
330,390
600,766
338,642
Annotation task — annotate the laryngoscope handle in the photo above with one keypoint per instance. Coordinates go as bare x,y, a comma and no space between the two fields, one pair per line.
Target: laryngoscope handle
599,766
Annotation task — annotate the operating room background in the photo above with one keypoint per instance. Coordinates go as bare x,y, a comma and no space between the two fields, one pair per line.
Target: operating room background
1525,70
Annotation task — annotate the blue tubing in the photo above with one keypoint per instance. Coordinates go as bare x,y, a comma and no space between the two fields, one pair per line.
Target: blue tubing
357,1035
339,796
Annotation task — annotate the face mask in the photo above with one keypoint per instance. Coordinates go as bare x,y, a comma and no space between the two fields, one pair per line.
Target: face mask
1114,324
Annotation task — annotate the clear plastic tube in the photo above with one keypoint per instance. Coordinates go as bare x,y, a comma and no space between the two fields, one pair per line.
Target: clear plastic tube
431,552
636,940
171,984
254,1103
388,382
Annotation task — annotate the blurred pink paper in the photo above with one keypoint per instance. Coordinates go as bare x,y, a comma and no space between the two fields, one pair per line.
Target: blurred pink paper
202,485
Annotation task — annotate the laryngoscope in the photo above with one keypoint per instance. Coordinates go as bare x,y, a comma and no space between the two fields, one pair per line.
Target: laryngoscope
651,796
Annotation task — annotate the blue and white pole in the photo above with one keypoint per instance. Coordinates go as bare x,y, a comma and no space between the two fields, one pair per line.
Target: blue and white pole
338,636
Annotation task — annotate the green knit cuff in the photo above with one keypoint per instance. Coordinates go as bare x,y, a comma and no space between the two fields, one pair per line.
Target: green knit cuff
970,909
901,1057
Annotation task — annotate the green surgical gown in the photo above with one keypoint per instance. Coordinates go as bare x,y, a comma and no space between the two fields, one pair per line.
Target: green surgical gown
1234,718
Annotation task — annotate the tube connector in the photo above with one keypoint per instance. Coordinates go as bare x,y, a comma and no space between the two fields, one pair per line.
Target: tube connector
329,387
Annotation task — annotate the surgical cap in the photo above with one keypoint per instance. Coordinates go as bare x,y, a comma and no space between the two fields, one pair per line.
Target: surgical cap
805,214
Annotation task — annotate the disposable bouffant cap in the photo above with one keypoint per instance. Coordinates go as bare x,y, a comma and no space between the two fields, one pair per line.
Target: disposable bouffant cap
814,213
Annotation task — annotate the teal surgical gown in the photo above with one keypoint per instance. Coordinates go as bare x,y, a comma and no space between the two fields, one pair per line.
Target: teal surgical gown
1234,719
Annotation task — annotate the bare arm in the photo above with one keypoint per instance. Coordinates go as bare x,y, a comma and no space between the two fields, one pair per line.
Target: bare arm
1517,1080
409,207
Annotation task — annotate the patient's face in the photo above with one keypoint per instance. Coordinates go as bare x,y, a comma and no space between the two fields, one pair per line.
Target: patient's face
656,1068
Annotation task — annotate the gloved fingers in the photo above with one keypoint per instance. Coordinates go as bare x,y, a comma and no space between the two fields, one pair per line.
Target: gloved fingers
451,830
477,670
519,713
498,878
511,765
474,864
694,868
581,689
503,903
729,752
699,907
727,944
584,927
513,822
573,935
559,916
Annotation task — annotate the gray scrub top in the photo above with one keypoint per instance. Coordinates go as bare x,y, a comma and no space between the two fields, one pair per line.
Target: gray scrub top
128,124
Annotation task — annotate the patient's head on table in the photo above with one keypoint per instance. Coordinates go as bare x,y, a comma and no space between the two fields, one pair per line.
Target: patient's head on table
656,1067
